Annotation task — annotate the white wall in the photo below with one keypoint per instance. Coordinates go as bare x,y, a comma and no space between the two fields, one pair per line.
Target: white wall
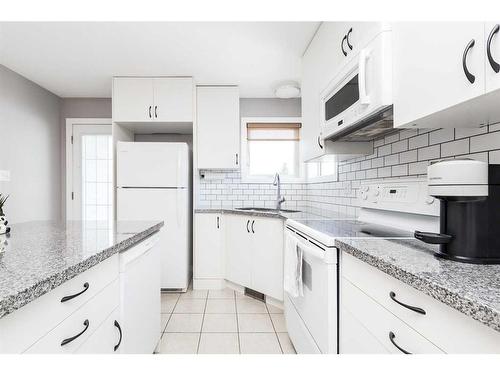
30,144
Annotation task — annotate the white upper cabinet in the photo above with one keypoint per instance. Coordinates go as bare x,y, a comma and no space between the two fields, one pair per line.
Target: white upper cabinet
218,127
437,67
173,99
132,99
492,69
146,99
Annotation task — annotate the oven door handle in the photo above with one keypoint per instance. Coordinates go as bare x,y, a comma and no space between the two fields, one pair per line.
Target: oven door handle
364,98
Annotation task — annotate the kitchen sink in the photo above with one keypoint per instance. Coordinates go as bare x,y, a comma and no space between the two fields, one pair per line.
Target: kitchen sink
263,209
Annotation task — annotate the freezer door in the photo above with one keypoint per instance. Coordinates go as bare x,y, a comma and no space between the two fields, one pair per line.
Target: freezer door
171,206
152,164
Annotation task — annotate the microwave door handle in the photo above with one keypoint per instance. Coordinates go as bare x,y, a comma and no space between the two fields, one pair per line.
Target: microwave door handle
364,98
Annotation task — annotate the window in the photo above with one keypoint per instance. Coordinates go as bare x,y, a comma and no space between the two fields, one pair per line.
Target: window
270,147
323,170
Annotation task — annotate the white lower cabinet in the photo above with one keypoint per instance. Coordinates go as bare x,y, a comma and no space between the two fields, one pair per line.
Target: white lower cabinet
376,307
208,248
254,253
106,339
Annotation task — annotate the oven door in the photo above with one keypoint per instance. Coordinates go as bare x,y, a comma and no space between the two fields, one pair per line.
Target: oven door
312,318
361,89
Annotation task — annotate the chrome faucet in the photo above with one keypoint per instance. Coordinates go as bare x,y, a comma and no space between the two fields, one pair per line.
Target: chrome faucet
279,198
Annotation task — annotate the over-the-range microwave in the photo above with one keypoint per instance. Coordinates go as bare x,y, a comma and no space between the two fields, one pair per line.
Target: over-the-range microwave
357,103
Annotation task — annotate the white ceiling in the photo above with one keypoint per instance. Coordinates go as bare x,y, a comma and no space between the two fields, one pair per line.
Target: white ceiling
79,59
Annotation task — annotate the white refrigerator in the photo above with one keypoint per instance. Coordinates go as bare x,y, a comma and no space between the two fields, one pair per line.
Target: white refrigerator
153,184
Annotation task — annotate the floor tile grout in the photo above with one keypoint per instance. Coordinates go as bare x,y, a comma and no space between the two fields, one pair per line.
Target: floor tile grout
275,333
237,322
202,322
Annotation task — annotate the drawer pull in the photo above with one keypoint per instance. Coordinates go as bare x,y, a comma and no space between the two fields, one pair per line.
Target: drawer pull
392,336
67,341
67,298
412,308
117,325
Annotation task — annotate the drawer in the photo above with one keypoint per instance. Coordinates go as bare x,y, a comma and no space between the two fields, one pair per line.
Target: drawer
105,338
94,312
40,316
382,324
449,329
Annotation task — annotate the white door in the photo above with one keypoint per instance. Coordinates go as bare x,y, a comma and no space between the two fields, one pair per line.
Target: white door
239,248
173,99
133,99
267,256
152,164
428,68
218,124
170,206
208,247
89,171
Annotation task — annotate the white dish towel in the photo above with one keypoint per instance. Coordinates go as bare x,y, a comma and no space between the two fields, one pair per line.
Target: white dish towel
293,267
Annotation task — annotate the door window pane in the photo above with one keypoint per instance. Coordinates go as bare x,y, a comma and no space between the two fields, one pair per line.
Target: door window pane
97,196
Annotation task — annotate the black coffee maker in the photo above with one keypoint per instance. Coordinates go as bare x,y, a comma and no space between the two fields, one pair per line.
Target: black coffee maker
469,194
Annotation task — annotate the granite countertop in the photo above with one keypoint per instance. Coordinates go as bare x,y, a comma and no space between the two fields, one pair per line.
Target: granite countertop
303,212
472,289
41,255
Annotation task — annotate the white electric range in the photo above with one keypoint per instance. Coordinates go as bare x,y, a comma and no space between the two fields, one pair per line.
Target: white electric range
389,209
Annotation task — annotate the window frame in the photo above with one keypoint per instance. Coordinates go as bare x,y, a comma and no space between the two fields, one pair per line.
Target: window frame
326,178
245,177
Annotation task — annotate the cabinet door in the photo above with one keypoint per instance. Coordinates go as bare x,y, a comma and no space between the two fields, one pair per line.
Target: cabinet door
208,247
492,69
359,34
173,99
267,256
428,71
239,247
132,99
105,338
218,123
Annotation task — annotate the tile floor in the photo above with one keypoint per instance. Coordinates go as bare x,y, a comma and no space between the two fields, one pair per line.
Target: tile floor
221,322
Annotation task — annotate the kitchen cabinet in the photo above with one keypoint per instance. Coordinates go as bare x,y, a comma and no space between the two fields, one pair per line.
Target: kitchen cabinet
239,248
492,69
218,127
326,56
447,65
381,304
106,339
254,253
150,99
208,248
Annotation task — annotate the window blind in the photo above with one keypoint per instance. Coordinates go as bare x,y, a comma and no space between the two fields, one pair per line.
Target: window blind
260,131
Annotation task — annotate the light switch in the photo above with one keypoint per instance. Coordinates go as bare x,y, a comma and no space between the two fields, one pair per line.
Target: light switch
4,175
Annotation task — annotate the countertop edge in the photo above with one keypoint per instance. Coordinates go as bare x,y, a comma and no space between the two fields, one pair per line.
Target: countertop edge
240,212
14,302
487,317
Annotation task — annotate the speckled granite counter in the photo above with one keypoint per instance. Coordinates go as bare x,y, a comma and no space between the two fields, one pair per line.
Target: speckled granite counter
42,255
470,288
303,213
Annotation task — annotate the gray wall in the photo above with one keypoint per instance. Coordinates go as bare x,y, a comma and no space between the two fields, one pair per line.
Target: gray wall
30,141
270,107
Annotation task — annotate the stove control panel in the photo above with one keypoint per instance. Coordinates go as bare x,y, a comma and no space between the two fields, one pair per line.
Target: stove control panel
408,195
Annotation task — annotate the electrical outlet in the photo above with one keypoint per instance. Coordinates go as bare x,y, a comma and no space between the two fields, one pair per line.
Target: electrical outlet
4,175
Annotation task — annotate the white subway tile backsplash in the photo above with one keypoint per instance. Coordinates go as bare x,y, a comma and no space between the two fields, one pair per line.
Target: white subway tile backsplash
408,156
469,132
427,153
494,157
384,172
485,142
399,170
418,168
459,147
407,133
441,135
384,150
391,138
418,141
391,159
400,146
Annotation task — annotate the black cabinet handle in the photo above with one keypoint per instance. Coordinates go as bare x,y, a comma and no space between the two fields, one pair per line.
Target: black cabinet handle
432,238
471,77
248,222
117,325
236,159
319,143
149,111
217,222
156,111
342,45
347,39
67,341
494,65
409,307
253,222
392,336
67,298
